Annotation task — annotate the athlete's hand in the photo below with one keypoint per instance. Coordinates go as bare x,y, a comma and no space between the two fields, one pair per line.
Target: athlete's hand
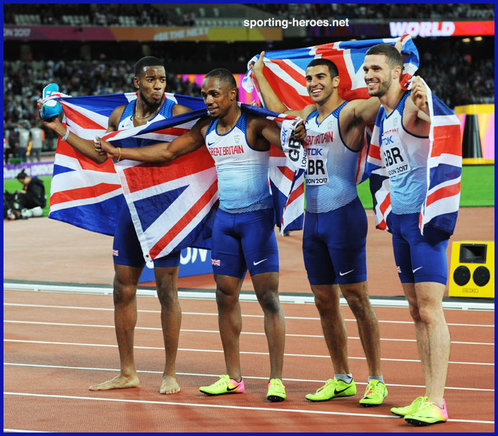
259,65
419,93
53,123
104,147
398,45
299,132
98,146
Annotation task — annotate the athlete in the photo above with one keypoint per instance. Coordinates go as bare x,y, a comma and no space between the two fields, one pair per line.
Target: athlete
151,105
335,227
420,259
243,232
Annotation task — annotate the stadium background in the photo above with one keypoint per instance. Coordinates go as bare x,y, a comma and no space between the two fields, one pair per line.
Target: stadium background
101,42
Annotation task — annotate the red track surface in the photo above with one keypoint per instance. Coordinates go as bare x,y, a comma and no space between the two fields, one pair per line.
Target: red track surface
58,344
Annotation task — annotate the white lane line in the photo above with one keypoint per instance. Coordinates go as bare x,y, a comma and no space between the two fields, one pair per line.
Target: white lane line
200,350
190,374
218,406
244,296
158,329
300,318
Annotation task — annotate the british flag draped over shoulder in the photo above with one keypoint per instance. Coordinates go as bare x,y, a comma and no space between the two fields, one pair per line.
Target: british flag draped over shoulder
172,204
444,170
286,74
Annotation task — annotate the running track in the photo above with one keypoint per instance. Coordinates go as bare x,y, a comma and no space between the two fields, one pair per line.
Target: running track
57,343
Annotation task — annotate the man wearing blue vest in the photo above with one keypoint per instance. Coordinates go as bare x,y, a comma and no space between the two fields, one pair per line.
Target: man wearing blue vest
335,224
244,228
150,105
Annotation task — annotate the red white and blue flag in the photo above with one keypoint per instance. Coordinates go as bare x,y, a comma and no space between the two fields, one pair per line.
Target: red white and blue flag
285,71
444,170
172,204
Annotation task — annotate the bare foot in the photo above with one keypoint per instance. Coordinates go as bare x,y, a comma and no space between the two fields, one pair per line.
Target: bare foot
169,385
118,382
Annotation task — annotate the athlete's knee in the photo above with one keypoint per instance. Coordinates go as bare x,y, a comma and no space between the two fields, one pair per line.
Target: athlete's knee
167,294
269,301
166,287
357,298
124,292
326,300
414,312
323,302
431,315
226,298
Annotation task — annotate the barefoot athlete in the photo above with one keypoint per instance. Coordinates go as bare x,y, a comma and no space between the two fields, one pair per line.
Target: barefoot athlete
151,105
243,232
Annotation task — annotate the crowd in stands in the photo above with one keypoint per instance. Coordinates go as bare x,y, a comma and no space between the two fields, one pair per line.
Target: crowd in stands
183,15
74,78
97,14
456,78
384,11
459,79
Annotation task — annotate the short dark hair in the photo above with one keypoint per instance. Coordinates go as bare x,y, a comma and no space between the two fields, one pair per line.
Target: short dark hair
321,61
394,58
147,61
224,75
22,175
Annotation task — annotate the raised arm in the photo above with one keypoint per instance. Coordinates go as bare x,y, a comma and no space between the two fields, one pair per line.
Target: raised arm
353,119
365,111
270,98
84,146
179,109
263,128
164,151
416,117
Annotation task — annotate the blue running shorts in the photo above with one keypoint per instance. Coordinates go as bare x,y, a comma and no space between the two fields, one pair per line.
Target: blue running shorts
243,241
334,245
418,258
126,248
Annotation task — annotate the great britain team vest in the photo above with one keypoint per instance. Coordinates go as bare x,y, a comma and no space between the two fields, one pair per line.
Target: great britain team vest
242,171
404,156
126,120
330,177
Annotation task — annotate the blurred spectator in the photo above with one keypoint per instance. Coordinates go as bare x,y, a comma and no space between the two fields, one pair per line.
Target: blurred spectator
37,137
26,202
10,142
155,15
33,191
24,136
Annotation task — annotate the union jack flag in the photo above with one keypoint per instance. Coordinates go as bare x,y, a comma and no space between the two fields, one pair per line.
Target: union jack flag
444,170
172,204
285,69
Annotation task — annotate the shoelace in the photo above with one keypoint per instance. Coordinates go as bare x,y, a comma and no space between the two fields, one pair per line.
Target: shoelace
222,381
327,383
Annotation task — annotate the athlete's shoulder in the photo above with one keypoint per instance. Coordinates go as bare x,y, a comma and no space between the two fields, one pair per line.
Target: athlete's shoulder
179,109
256,121
307,111
115,117
202,124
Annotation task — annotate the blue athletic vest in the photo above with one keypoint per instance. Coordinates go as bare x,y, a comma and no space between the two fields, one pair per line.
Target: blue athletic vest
242,171
405,157
330,177
126,120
